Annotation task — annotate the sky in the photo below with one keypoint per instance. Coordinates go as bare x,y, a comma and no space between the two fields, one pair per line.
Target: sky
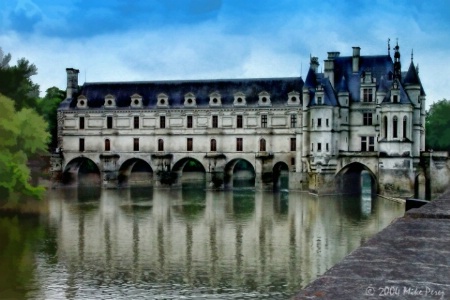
145,40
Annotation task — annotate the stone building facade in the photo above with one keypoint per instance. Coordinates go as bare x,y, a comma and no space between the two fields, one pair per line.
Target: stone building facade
361,114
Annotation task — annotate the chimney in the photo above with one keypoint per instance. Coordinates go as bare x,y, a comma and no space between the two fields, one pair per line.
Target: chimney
72,82
314,63
329,66
355,60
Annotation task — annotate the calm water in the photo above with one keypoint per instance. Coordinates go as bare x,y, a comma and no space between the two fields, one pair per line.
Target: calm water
145,243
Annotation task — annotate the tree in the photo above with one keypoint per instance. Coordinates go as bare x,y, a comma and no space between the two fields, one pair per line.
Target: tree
15,82
47,107
437,126
22,134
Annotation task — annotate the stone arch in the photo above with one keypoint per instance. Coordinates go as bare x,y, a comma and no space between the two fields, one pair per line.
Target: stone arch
350,178
135,171
189,170
244,170
82,171
279,169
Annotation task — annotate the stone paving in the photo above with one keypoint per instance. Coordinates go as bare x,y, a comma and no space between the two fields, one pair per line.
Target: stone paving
410,259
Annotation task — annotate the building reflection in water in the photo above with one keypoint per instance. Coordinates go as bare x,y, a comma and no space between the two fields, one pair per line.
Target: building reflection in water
240,240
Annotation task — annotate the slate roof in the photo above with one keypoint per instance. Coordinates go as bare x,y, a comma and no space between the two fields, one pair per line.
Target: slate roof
278,88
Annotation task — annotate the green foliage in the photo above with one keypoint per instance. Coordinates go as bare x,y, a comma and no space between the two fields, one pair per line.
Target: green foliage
437,126
47,107
22,134
15,82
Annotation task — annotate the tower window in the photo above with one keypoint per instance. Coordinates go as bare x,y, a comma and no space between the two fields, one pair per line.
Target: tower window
293,144
81,123
395,98
239,121
239,144
264,121
189,122
215,121
136,122
367,118
109,122
293,121
162,122
213,145
319,122
262,145
367,95
81,144
385,125
319,147
405,128
319,101
395,127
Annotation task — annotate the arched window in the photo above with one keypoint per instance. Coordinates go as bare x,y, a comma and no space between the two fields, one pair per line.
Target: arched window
395,127
262,145
107,145
160,145
213,145
405,127
385,125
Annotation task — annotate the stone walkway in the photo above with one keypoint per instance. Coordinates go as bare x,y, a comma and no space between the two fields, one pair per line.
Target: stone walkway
410,259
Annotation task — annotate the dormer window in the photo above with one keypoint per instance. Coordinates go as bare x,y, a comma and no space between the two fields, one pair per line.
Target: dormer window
215,99
264,99
136,100
82,102
162,100
110,101
319,100
293,98
239,99
367,95
189,100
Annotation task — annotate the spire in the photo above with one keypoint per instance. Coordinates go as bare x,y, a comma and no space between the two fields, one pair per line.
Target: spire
397,64
411,76
389,47
412,55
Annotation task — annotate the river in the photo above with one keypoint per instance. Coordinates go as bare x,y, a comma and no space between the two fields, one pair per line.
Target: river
186,243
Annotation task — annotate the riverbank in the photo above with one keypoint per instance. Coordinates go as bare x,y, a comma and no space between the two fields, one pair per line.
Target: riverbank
410,259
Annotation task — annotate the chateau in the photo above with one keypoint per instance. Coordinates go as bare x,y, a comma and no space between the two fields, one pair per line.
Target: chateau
361,114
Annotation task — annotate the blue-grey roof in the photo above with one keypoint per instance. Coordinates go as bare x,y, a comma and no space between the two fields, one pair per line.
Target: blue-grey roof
278,88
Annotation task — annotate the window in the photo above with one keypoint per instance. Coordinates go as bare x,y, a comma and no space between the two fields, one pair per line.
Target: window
312,122
160,145
109,122
189,145
239,121
162,122
239,144
293,121
81,123
405,124
136,122
394,127
293,144
189,121
319,147
395,98
327,148
81,145
367,143
215,121
262,145
367,118
367,95
312,147
328,123
292,161
319,101
107,145
319,122
213,145
264,121
385,126
135,144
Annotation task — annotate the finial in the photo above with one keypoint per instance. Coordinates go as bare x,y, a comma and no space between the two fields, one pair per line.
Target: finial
412,55
389,46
